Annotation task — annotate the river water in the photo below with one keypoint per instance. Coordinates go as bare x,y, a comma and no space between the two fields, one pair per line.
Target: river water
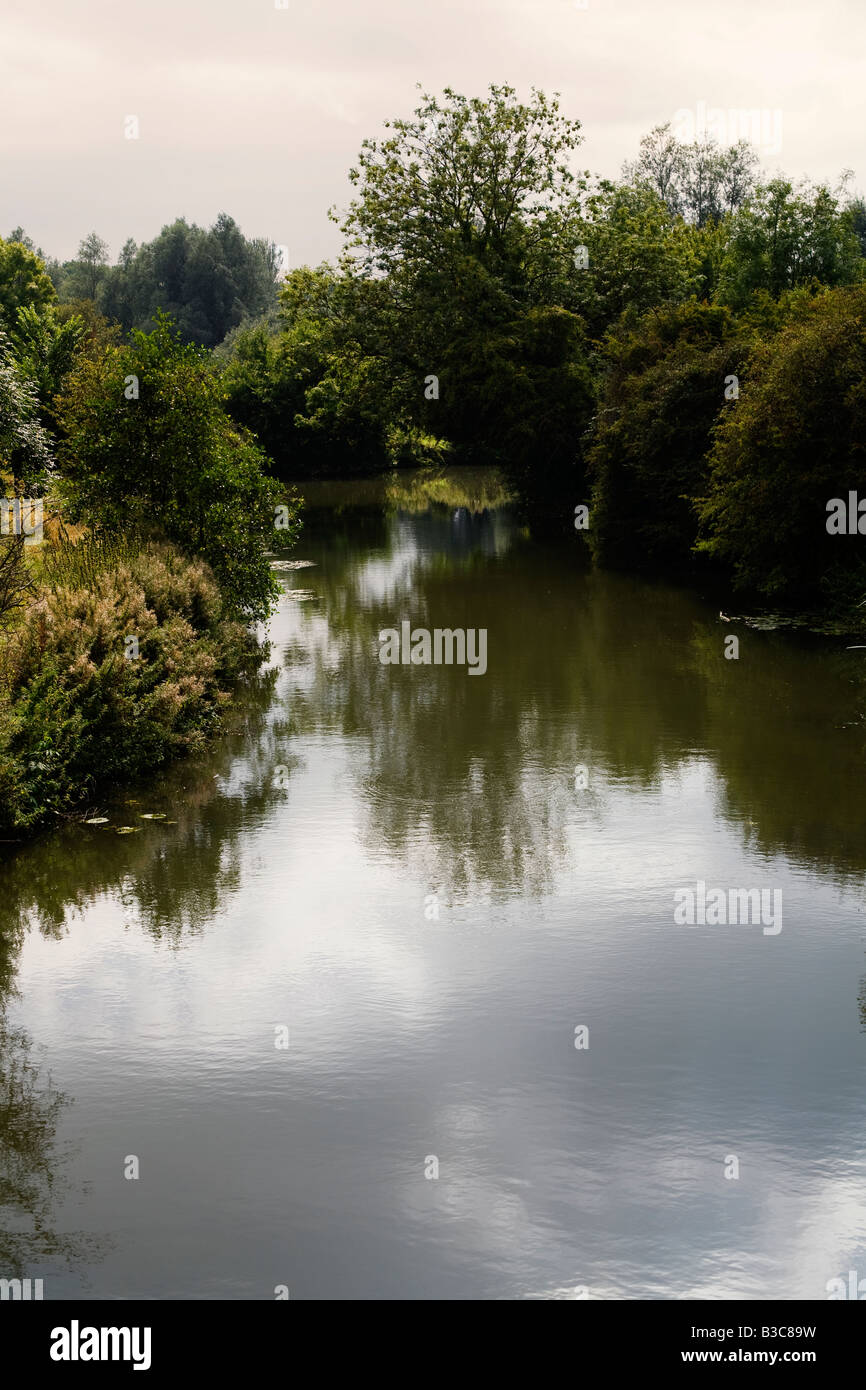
398,1005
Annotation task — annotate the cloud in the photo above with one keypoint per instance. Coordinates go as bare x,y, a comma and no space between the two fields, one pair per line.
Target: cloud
261,111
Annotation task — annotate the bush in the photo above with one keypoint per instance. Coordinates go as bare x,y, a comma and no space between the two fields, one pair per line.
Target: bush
795,440
664,389
316,398
78,715
25,447
149,448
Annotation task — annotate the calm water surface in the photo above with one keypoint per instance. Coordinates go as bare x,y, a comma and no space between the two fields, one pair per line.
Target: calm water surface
396,865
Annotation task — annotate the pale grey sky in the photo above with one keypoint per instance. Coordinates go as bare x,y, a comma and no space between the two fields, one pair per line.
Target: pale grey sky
260,111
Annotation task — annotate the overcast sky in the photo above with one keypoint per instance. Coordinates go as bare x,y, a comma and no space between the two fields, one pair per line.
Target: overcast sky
260,111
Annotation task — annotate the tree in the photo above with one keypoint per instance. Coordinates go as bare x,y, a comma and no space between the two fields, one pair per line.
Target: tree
208,281
90,266
700,182
783,237
24,445
521,396
458,208
658,166
857,214
318,393
44,344
664,387
638,255
463,233
148,446
19,234
793,443
23,280
466,175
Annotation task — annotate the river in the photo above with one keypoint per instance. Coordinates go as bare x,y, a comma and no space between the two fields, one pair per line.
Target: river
393,1003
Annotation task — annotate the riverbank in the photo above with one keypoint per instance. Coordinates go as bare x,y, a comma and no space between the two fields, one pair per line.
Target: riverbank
119,660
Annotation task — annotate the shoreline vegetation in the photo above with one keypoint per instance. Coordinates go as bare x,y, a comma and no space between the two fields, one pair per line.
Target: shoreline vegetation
679,355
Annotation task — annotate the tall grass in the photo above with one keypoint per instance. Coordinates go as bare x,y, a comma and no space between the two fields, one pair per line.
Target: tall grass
77,564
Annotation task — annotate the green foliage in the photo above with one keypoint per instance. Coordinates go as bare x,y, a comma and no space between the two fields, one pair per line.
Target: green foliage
700,182
25,447
316,397
856,211
78,564
664,387
15,581
23,281
521,397
207,281
464,235
87,272
782,238
77,715
795,440
45,345
466,176
169,461
639,256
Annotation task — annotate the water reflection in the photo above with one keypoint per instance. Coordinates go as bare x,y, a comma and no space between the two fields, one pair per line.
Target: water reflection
32,1161
400,865
627,677
32,1167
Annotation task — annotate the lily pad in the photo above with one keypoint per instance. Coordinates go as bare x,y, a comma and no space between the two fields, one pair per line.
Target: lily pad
128,829
97,820
152,815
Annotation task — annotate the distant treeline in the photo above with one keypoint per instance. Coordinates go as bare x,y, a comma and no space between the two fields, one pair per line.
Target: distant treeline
208,281
681,350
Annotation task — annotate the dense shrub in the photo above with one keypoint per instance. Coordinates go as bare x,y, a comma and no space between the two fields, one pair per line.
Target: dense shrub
521,397
796,439
664,387
148,447
77,713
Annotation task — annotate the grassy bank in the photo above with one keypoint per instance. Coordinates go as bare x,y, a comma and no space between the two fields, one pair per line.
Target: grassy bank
116,659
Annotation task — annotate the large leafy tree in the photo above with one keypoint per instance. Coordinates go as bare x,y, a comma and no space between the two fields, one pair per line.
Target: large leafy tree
795,441
666,381
466,175
148,446
23,281
701,182
783,237
459,208
208,280
467,214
